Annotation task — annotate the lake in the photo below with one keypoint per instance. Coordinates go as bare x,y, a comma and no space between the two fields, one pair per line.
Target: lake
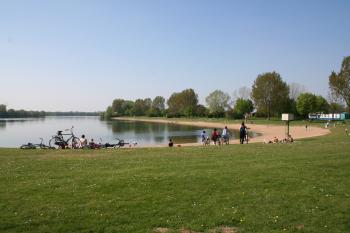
15,132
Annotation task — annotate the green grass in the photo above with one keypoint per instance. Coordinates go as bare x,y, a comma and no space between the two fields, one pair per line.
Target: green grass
255,187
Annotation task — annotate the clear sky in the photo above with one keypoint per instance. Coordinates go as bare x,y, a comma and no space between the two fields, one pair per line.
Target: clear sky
80,55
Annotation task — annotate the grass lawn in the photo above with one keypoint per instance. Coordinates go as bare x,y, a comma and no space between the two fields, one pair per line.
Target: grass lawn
300,187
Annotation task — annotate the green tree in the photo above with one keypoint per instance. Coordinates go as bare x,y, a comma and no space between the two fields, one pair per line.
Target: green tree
121,107
3,111
306,103
158,106
139,107
201,111
270,93
339,83
243,106
182,104
217,102
321,104
108,113
117,107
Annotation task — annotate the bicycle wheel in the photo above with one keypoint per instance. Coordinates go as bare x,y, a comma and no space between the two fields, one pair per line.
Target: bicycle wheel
28,146
75,143
43,146
55,143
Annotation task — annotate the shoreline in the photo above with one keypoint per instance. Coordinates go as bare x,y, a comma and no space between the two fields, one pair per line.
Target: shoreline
267,132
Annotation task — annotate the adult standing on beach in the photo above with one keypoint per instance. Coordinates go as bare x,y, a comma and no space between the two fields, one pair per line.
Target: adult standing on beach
242,133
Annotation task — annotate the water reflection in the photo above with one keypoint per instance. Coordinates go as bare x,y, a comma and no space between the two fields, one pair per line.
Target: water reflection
2,124
14,132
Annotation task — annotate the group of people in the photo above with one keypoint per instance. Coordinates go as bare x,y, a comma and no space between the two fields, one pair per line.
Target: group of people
85,144
224,137
287,139
217,137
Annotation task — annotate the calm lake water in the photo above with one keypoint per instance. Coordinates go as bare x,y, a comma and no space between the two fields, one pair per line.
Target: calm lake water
15,132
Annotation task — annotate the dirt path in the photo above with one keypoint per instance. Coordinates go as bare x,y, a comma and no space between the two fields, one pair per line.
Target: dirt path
267,132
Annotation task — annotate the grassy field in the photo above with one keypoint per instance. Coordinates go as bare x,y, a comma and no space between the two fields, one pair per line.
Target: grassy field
300,187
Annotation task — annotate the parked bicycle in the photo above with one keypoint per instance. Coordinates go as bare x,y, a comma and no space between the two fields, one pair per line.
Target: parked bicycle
41,145
119,143
58,140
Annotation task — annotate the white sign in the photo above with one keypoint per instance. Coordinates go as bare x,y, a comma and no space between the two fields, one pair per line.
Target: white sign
287,117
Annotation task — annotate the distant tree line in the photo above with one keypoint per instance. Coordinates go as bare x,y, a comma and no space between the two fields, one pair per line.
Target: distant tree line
11,113
268,97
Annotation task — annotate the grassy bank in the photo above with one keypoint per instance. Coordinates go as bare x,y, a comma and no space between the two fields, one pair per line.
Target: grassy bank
300,187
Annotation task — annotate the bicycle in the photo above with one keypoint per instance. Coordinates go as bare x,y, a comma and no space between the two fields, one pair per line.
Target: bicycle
120,143
41,145
58,141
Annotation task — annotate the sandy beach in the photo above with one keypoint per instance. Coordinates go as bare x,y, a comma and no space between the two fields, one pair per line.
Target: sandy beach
266,132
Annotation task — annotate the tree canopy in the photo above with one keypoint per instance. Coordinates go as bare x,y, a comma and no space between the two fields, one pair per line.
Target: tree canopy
243,106
218,102
270,93
339,83
182,103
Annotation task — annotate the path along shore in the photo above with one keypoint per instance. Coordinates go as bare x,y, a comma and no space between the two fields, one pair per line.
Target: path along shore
266,132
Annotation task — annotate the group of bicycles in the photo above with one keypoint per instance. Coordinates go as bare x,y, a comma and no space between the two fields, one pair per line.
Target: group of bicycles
67,140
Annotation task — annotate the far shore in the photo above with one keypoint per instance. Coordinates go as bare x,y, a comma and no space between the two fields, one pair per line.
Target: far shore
266,132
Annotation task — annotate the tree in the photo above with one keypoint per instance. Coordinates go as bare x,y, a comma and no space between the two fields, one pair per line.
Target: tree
321,104
183,103
121,107
117,107
242,93
270,93
243,106
295,89
201,111
306,103
339,83
108,113
139,108
158,106
217,102
3,111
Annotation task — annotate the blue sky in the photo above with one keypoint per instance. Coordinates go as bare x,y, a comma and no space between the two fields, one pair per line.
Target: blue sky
80,55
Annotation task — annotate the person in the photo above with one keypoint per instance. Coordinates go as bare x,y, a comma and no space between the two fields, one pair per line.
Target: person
94,145
83,141
306,127
346,131
204,137
215,136
171,143
242,133
246,135
275,140
225,135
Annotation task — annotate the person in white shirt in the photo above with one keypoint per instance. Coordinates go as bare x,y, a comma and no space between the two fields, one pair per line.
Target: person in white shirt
83,141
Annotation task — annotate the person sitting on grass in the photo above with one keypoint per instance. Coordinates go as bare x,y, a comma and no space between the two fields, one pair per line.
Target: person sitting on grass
83,141
171,143
94,145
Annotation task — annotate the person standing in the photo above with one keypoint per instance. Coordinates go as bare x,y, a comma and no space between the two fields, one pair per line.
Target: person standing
225,135
215,136
242,133
204,137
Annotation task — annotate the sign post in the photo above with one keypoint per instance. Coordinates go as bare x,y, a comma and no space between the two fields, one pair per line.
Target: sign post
287,117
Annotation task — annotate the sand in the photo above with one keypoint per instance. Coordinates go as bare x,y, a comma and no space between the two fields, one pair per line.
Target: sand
266,132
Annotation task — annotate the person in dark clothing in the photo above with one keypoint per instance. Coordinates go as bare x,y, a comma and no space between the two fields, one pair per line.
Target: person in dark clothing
215,136
242,133
171,143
